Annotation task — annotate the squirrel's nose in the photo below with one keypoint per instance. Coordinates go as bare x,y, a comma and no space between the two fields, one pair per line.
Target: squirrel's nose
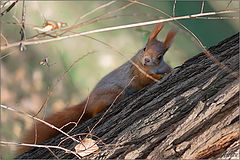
146,60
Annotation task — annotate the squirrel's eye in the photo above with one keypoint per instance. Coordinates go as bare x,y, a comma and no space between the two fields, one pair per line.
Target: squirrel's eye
144,48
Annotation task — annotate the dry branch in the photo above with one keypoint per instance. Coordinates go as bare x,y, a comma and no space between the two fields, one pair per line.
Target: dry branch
190,113
34,42
51,91
9,8
37,119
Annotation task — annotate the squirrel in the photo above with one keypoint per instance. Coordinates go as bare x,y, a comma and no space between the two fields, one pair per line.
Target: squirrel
149,59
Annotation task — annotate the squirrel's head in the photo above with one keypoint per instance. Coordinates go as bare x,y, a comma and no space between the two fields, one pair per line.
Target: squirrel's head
152,54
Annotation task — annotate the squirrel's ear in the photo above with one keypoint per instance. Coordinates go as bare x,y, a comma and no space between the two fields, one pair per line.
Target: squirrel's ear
168,41
155,32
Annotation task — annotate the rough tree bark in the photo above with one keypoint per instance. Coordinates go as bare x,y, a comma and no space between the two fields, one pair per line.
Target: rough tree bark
191,113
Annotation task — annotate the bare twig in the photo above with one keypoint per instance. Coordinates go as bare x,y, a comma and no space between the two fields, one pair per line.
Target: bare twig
12,52
90,132
26,24
22,31
229,4
85,106
100,18
23,20
53,153
174,6
40,146
53,88
94,10
21,26
35,118
102,115
9,8
79,119
40,35
95,19
81,24
215,60
202,8
130,60
4,40
214,18
27,42
35,131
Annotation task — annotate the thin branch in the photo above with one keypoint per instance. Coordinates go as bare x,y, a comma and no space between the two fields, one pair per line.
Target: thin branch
53,153
12,52
94,10
130,60
22,31
95,19
79,119
26,24
3,38
35,118
90,132
21,26
9,8
35,131
100,19
214,18
215,60
53,88
23,20
229,4
202,8
174,6
27,42
85,106
40,146
81,24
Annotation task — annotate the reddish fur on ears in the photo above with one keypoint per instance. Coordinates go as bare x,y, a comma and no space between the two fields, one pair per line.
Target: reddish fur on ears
155,32
171,34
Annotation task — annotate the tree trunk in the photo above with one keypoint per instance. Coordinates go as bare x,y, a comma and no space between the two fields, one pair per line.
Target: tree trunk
192,113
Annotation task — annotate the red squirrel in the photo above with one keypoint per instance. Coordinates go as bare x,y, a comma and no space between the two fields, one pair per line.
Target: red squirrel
149,59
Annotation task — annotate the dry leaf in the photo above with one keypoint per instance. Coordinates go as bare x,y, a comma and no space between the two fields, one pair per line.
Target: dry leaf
50,26
44,62
86,147
44,29
56,25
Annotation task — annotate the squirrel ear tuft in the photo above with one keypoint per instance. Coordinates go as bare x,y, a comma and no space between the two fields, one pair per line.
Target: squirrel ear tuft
168,41
155,32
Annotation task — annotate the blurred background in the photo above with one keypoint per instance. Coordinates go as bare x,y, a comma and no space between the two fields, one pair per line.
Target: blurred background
26,79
